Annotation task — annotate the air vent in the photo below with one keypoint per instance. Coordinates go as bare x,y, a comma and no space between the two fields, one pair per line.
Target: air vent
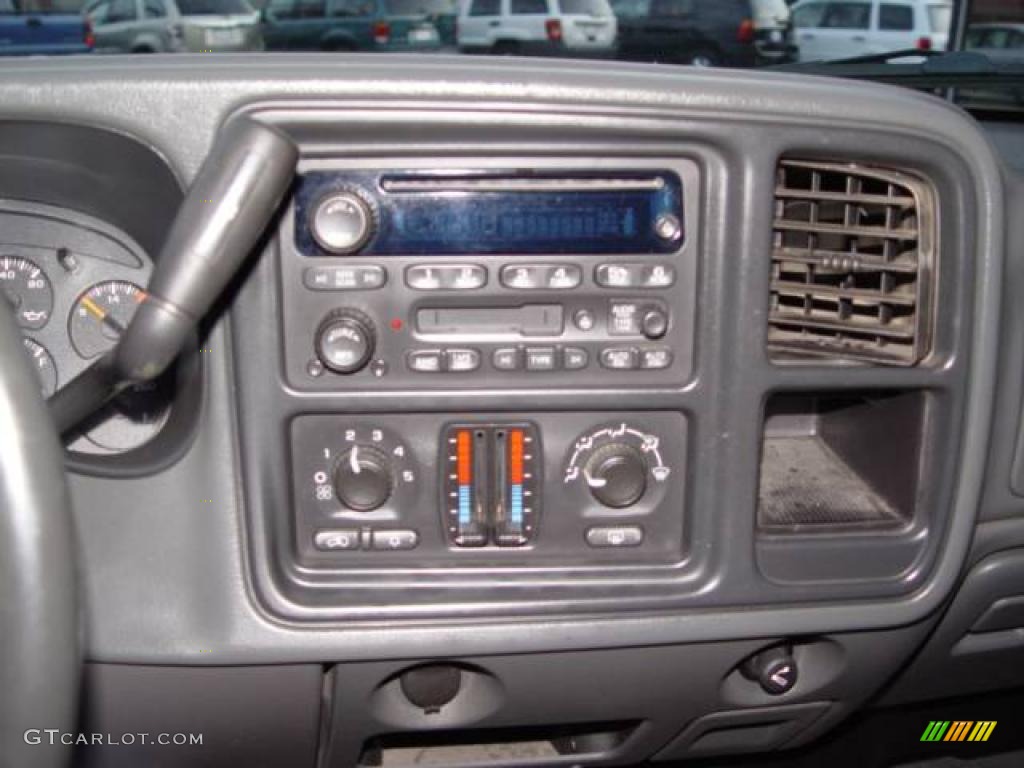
852,263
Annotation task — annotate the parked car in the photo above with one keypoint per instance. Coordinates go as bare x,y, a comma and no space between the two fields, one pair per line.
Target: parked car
359,25
43,28
840,29
538,27
1002,43
705,33
158,26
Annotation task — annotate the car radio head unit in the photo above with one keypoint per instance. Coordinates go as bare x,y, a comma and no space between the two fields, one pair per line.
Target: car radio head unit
404,275
476,212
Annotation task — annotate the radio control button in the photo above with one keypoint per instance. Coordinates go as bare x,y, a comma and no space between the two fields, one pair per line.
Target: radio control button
395,540
658,276
425,361
575,358
355,277
584,320
345,341
624,318
563,277
655,358
619,358
618,275
603,537
446,277
336,540
464,278
342,221
654,323
540,359
506,359
526,277
462,360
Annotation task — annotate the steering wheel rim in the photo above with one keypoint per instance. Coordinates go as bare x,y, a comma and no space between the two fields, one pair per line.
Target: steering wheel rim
40,661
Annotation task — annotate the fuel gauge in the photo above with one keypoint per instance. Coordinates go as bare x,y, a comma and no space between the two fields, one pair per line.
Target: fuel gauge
101,315
42,361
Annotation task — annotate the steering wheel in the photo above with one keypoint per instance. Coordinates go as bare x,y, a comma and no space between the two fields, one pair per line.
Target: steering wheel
40,660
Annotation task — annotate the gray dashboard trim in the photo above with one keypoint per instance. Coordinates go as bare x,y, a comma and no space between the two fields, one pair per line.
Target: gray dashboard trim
181,565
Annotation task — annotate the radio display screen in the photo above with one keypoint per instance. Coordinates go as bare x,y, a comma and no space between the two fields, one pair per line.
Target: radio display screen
484,214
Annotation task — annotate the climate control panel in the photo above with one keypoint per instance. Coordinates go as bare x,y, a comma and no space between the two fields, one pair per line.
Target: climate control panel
494,489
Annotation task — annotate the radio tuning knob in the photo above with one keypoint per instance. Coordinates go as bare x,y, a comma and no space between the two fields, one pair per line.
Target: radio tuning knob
345,341
343,220
616,475
362,478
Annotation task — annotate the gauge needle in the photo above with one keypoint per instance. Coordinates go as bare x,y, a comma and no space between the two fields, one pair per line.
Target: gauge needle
104,317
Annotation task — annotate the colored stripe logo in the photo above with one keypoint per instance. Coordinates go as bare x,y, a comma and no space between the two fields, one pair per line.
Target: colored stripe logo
958,730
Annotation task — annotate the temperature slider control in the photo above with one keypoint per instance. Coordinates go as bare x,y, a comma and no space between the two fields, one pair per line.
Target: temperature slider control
491,477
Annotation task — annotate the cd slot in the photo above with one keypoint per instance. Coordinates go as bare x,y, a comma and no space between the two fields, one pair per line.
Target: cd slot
522,184
528,320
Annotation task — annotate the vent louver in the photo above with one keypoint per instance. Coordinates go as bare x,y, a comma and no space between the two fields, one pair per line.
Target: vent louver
852,263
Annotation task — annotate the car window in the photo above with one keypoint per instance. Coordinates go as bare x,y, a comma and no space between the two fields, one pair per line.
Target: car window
896,18
43,7
631,9
352,8
413,7
213,7
584,7
847,16
120,11
528,6
485,8
809,16
675,8
153,9
297,9
940,18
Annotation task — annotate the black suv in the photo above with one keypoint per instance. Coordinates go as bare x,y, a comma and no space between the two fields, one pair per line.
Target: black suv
705,33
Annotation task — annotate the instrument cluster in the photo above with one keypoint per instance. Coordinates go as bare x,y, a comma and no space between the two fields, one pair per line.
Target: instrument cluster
74,283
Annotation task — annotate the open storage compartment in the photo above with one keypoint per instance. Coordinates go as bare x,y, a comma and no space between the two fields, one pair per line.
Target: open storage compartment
837,461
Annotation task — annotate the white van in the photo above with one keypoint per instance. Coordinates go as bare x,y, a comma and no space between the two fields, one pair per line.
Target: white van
544,27
841,29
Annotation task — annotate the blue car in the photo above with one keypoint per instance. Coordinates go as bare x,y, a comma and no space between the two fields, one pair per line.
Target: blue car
43,27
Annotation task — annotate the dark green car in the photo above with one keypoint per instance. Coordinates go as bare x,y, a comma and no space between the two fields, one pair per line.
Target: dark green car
359,25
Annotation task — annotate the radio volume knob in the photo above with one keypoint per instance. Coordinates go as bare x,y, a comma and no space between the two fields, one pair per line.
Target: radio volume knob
362,478
343,220
345,341
616,475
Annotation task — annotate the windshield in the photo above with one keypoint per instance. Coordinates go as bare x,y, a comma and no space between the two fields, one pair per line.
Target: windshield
740,34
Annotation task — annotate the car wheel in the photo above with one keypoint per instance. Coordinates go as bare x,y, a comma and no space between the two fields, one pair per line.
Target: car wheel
702,57
506,48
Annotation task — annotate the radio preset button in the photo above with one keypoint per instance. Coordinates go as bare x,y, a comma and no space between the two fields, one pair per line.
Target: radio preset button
618,275
506,359
658,276
394,541
655,358
462,360
574,358
563,277
337,540
525,277
425,361
355,277
540,359
446,277
619,358
342,222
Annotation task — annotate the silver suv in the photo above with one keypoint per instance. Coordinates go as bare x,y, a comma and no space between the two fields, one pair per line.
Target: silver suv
159,26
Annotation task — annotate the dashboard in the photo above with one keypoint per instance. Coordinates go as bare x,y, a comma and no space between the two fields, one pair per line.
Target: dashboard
604,414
